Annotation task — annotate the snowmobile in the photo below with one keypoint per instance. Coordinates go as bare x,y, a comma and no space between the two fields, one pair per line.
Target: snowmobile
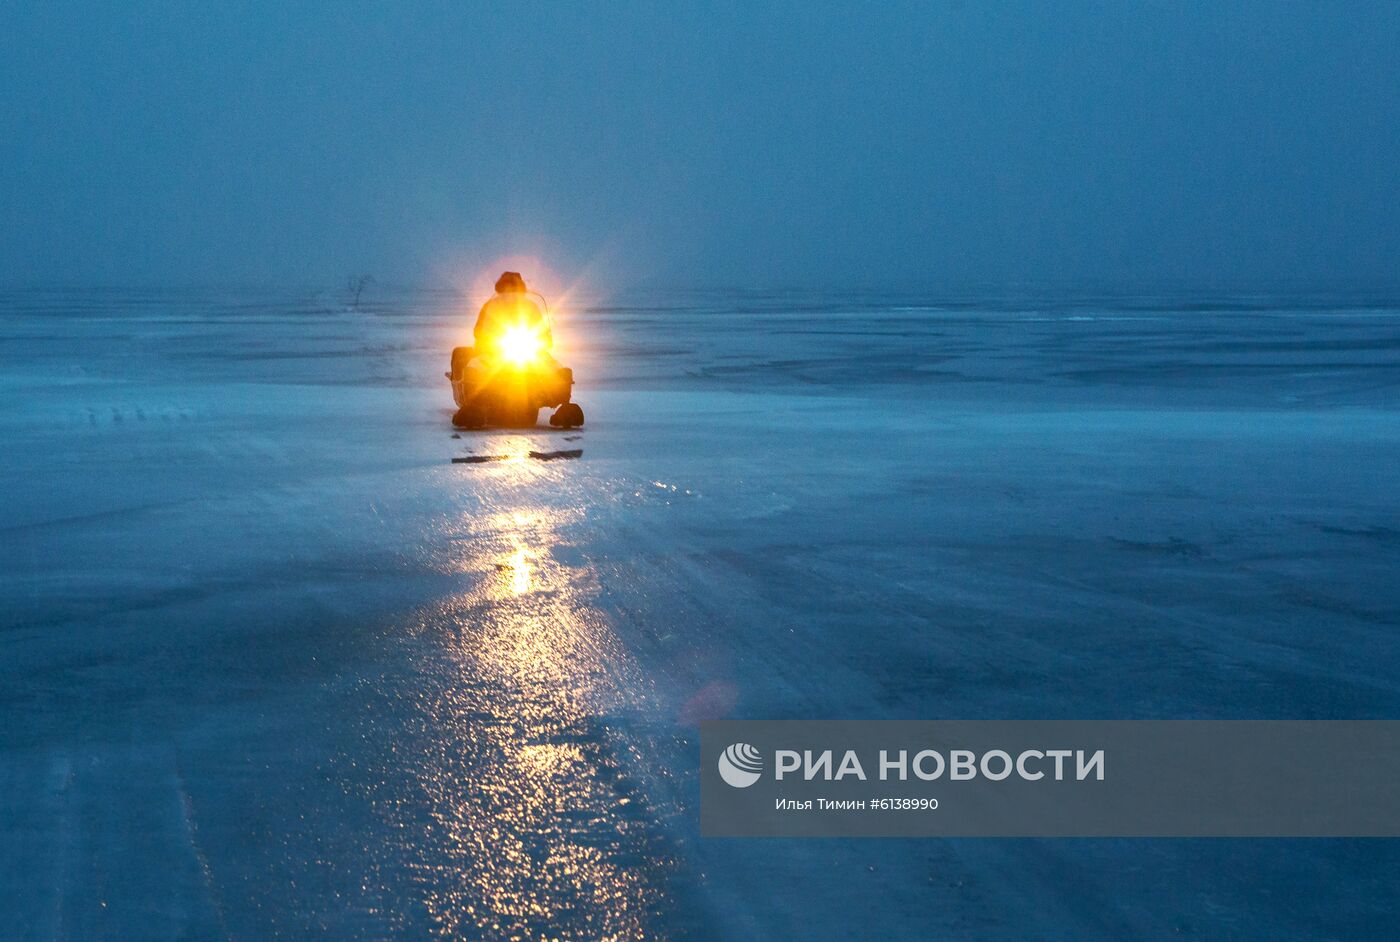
507,384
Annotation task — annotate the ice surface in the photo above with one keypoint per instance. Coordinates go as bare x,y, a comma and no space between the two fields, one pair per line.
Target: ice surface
273,663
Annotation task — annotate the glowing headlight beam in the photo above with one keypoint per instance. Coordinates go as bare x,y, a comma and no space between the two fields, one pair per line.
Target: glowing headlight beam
520,345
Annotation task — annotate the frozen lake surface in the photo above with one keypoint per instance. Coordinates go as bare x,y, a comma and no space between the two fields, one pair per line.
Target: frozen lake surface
273,664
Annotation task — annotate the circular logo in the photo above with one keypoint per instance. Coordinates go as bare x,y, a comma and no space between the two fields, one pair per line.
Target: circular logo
740,765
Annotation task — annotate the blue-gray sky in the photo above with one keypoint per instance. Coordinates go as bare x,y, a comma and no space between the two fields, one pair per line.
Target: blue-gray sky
761,144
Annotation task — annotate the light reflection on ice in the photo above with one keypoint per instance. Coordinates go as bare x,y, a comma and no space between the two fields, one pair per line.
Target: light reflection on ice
520,568
530,826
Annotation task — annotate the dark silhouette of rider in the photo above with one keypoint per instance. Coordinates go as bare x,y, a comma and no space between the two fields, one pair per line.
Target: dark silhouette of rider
509,309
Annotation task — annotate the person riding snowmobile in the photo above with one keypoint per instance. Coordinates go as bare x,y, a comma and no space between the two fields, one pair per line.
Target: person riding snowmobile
510,374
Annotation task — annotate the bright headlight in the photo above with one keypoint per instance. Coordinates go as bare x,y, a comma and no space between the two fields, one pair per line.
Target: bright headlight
520,345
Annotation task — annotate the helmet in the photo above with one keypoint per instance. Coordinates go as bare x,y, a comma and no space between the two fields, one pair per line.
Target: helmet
510,281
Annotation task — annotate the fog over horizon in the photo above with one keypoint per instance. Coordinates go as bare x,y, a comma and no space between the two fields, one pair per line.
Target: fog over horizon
803,145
